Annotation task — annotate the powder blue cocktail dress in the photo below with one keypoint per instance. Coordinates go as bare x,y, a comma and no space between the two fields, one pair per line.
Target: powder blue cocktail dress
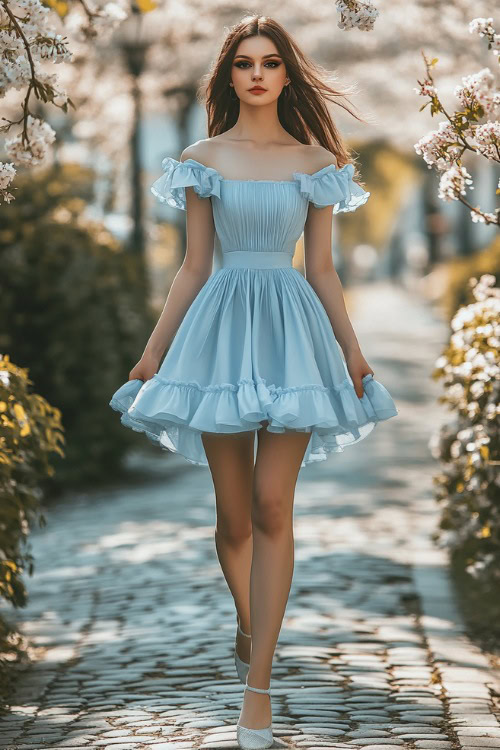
256,342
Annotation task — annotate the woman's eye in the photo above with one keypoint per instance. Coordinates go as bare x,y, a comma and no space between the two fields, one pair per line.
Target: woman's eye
274,63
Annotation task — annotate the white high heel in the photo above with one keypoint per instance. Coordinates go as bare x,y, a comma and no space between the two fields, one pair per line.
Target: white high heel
242,667
255,739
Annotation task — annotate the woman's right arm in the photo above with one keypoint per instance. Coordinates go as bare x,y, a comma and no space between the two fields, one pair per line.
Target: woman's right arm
191,276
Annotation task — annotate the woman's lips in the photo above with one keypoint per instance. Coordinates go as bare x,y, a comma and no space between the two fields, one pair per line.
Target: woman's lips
257,91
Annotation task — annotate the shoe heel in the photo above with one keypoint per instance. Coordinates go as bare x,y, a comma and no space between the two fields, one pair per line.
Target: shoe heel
255,739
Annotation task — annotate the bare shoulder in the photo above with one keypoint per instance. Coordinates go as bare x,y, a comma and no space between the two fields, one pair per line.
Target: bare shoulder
201,151
319,157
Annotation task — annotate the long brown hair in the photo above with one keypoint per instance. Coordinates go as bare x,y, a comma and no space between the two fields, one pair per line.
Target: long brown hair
302,110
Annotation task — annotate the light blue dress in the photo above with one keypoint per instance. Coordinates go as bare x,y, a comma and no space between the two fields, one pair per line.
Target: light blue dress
256,342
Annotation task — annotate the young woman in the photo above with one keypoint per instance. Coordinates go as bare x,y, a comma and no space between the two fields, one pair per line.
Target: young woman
254,348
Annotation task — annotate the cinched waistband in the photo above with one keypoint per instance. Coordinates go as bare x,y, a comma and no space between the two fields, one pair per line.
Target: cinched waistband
256,259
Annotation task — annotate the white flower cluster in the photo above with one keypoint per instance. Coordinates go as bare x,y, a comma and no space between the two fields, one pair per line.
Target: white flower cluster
40,136
484,27
487,137
479,88
453,182
7,174
439,147
481,217
356,14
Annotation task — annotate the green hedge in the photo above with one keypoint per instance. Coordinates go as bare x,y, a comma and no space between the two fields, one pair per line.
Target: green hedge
75,312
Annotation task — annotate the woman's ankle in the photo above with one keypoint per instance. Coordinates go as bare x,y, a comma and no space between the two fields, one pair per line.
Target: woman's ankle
259,680
244,626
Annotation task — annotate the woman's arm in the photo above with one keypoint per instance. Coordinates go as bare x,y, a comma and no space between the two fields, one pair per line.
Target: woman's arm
190,278
323,277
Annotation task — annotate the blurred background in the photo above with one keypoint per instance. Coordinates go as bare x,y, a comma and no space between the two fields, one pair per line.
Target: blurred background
88,258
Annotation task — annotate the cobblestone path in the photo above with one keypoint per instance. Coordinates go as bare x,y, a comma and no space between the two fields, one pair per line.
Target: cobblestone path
135,625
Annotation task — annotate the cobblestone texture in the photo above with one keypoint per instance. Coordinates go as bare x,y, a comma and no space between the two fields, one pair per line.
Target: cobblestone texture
136,625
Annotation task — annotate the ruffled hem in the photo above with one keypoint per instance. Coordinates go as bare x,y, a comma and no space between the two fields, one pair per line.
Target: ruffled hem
332,186
173,414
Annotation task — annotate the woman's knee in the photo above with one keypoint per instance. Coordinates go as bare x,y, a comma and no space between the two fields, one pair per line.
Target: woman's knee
233,531
271,510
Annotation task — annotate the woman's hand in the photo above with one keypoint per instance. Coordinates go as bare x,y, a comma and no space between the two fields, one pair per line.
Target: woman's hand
358,367
145,368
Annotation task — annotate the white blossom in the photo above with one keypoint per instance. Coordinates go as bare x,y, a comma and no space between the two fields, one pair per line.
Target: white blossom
436,147
356,14
40,135
427,88
479,87
7,174
453,183
487,138
483,217
484,27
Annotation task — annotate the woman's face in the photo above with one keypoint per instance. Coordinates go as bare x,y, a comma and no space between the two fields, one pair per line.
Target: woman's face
257,63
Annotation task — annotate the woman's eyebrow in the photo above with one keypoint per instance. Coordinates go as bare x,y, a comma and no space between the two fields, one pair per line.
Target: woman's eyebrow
273,54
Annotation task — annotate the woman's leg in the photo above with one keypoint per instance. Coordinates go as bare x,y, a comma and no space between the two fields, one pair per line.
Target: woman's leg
277,465
231,459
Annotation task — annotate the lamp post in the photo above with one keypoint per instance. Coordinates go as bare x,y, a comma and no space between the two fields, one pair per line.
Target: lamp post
133,46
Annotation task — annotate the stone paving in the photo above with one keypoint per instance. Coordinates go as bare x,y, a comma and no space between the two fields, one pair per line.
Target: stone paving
135,626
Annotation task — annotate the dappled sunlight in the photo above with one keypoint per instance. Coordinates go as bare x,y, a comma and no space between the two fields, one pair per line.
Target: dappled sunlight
141,542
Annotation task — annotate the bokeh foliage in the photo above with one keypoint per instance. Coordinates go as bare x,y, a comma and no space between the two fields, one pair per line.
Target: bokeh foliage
74,310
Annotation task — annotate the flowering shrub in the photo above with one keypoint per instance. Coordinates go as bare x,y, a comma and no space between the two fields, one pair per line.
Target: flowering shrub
469,447
30,429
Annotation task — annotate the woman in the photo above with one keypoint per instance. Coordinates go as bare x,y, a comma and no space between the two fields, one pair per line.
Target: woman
253,348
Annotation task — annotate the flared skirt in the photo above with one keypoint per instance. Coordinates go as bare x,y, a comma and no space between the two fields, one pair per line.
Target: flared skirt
255,345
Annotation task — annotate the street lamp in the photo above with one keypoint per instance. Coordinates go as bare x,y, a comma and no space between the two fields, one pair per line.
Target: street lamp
133,45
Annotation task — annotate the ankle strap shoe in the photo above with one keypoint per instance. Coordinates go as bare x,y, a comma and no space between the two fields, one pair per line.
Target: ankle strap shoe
255,739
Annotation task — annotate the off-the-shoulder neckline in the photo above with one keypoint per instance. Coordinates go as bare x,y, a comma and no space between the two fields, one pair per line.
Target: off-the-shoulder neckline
318,173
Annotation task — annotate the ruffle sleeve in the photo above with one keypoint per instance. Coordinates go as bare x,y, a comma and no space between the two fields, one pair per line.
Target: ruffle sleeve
171,187
331,186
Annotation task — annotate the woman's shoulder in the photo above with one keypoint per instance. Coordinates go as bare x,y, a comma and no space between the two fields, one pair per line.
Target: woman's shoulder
201,151
318,157
312,157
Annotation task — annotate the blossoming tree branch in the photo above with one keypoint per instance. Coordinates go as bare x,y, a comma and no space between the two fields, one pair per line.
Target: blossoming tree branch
465,129
29,40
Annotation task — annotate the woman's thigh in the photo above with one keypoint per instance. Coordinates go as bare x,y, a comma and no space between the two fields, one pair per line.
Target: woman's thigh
279,458
231,462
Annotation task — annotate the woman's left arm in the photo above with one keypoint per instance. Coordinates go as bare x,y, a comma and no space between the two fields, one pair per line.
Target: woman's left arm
321,274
